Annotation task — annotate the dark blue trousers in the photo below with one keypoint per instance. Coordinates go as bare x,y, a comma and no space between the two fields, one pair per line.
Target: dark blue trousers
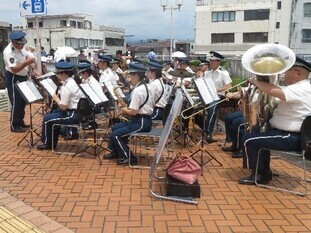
58,116
118,138
157,113
273,139
17,101
211,118
234,123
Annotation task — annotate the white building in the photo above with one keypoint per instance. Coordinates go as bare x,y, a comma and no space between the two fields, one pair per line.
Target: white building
74,30
233,26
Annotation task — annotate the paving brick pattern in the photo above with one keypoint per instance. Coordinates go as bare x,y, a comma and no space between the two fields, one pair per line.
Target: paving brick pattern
82,196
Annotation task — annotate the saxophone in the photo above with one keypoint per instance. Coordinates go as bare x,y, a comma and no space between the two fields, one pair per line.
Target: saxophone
121,103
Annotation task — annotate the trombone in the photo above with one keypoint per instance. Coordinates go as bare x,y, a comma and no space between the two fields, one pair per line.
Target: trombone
209,106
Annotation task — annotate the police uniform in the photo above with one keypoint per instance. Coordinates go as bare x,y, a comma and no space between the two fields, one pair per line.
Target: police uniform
70,95
284,133
142,101
220,78
157,91
106,75
12,57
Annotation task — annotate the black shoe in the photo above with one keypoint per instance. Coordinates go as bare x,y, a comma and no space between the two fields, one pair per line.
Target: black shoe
74,136
262,178
18,130
111,156
24,126
125,161
237,154
44,147
229,149
209,139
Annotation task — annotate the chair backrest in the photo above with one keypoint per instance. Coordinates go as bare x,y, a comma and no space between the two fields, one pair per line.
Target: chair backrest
84,109
305,133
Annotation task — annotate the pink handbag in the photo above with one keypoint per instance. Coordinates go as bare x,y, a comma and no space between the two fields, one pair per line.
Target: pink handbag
184,168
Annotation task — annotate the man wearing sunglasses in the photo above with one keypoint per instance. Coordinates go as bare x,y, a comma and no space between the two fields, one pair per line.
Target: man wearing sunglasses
17,61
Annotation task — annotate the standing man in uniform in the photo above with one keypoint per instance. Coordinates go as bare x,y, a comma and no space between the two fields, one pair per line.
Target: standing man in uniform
17,61
222,82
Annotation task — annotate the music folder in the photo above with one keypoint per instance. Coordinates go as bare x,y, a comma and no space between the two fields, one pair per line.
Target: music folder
206,89
93,92
29,91
49,85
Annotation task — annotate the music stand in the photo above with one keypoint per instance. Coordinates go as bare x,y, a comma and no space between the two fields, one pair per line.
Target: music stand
182,73
96,97
31,94
208,94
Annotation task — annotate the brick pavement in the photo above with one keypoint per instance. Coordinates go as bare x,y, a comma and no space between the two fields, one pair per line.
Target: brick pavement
59,193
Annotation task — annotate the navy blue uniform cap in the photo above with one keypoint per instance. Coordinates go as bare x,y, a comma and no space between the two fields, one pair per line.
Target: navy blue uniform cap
302,63
18,37
115,60
136,67
63,66
152,65
216,56
183,60
83,65
104,58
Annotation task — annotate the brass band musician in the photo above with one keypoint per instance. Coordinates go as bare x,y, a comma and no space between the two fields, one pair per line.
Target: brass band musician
286,121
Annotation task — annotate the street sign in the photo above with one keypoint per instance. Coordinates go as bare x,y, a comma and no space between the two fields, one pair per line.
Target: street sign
32,7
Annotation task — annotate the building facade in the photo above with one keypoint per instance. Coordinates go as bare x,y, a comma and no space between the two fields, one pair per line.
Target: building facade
233,26
74,30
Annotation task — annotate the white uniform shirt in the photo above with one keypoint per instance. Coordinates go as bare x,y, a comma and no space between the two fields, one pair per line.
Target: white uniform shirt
219,76
289,114
138,97
13,56
70,93
107,75
157,89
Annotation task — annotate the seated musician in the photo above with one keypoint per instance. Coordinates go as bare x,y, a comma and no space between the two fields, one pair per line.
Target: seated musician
154,76
222,82
67,102
285,123
234,124
140,110
203,68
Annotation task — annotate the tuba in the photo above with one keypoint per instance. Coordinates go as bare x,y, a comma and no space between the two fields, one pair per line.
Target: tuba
267,62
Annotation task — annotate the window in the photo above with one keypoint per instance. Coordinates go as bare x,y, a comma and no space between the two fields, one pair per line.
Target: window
114,42
222,38
262,14
279,5
307,9
277,25
80,24
257,37
223,16
73,24
30,24
41,24
306,36
63,23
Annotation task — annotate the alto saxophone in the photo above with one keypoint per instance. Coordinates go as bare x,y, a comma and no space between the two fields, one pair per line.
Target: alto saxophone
121,103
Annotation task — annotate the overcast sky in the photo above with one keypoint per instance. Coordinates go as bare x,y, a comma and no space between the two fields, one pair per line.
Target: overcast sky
141,18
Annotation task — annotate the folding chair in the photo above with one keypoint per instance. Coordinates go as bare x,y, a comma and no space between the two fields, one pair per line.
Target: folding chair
305,134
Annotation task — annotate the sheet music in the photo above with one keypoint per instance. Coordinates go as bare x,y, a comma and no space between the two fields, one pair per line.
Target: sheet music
99,91
188,96
110,87
49,86
96,97
29,91
206,90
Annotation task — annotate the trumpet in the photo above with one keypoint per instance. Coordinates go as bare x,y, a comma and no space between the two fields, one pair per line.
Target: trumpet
209,106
